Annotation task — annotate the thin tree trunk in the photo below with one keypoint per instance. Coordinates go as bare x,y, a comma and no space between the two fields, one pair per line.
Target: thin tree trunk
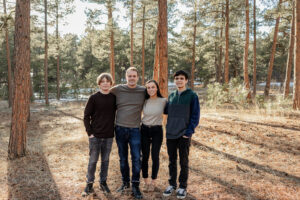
46,56
246,49
9,75
296,97
112,51
143,48
290,57
219,71
254,48
226,66
156,58
270,69
163,46
17,140
131,35
57,57
194,46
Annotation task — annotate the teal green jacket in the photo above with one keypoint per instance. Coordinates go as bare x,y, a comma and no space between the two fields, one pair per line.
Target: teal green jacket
183,114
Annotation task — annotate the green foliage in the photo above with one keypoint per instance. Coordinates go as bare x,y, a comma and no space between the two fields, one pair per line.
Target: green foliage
234,94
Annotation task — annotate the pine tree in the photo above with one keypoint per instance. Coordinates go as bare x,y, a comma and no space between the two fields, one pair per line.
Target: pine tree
296,97
271,63
17,140
290,56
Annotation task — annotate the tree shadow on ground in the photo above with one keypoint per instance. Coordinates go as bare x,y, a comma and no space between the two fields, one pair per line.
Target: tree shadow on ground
30,177
283,147
293,128
238,190
251,164
68,114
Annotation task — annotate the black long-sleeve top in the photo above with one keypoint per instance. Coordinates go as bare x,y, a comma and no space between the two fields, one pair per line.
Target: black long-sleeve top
99,115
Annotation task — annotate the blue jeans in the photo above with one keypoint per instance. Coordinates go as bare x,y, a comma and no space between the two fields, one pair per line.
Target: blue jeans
131,136
98,146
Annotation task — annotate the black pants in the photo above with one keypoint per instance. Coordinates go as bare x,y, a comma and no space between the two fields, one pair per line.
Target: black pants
183,145
151,135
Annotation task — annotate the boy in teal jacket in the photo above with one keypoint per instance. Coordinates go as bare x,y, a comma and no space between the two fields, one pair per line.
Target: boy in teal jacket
183,117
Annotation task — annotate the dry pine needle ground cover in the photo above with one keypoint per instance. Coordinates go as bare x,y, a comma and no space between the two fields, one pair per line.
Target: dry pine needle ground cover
234,155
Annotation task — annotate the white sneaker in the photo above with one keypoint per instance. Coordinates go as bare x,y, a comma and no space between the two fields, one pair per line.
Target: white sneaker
181,193
170,189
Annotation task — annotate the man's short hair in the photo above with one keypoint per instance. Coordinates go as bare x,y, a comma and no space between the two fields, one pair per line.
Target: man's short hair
132,69
104,75
181,72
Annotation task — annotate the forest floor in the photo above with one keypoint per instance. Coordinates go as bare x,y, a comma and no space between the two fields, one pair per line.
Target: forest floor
234,155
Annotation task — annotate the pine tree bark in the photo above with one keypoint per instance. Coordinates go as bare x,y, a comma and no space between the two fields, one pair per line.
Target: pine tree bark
226,65
271,63
143,48
46,55
289,63
58,54
112,51
163,46
246,50
9,73
296,97
254,48
131,35
194,46
156,58
17,140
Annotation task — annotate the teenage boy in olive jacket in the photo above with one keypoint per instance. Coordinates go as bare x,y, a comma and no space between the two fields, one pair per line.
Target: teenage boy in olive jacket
183,117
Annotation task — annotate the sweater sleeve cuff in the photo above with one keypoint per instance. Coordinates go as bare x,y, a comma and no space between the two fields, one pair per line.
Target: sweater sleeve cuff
188,133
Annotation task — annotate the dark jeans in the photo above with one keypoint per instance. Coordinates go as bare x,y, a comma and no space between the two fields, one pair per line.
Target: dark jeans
151,135
99,146
183,145
132,137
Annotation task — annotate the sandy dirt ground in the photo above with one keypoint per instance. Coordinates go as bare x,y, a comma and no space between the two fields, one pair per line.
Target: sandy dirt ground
233,155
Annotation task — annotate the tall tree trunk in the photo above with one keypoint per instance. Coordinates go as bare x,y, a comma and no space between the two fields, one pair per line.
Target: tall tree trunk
194,46
58,53
156,58
46,56
143,48
289,62
226,66
219,70
296,97
17,140
254,48
246,49
131,35
112,51
216,57
163,46
9,74
271,63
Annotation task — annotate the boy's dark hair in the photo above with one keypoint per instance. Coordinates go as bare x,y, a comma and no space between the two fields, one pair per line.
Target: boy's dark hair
147,96
181,72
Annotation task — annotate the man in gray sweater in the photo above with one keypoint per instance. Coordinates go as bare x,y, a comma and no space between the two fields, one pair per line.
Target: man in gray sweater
130,98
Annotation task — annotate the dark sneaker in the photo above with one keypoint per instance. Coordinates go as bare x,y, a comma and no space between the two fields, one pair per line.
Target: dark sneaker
181,193
136,192
103,186
88,190
170,189
123,187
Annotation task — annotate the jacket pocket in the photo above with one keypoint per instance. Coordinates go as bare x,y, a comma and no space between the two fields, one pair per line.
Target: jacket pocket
176,126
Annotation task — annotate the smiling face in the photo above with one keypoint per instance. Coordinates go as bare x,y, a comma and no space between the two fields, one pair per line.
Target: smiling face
180,82
132,78
105,84
151,89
